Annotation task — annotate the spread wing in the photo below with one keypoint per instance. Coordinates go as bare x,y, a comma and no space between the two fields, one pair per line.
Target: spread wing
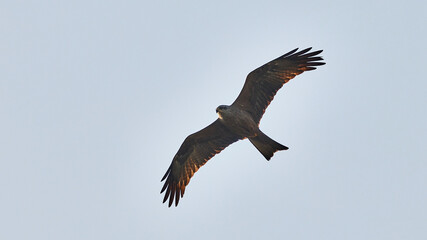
262,83
194,152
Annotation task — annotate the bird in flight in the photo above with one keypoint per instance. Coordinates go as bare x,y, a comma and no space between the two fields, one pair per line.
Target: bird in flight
238,121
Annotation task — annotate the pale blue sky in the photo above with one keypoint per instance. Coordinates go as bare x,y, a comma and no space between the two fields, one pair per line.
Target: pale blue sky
97,96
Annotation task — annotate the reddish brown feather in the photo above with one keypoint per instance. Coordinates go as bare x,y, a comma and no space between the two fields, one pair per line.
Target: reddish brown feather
194,152
258,91
263,83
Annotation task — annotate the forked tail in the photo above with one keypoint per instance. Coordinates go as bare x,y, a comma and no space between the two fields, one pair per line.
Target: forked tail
266,146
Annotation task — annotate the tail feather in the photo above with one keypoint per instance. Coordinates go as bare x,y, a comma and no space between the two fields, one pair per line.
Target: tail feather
266,146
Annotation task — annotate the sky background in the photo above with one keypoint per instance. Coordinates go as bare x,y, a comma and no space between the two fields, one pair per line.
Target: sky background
96,97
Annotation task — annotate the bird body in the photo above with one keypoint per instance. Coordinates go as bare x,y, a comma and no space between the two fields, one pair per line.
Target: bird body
238,121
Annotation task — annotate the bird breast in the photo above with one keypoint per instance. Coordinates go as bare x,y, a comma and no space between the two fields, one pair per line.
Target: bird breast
239,122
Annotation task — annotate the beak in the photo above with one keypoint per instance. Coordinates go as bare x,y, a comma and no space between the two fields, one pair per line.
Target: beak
216,110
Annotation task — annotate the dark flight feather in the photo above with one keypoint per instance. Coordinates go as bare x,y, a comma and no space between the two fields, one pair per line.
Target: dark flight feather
258,91
263,83
194,152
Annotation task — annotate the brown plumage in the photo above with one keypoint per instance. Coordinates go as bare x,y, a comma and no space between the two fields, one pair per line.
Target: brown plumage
194,152
263,83
237,121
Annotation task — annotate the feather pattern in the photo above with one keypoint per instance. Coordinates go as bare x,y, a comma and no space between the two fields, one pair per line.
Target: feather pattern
263,83
194,152
258,91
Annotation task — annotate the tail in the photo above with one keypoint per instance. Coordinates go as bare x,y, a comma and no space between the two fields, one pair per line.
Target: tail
266,146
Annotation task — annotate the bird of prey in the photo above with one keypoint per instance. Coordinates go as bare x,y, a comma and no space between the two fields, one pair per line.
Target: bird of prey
238,121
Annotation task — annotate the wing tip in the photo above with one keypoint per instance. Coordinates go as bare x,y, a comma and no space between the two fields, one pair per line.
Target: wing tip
309,59
289,53
167,173
174,192
305,53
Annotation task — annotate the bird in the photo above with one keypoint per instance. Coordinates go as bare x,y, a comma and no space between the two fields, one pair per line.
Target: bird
237,121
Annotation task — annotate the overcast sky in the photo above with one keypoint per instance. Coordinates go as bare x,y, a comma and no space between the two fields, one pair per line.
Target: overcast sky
97,96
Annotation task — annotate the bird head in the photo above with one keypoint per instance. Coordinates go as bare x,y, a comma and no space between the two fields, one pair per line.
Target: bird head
221,108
